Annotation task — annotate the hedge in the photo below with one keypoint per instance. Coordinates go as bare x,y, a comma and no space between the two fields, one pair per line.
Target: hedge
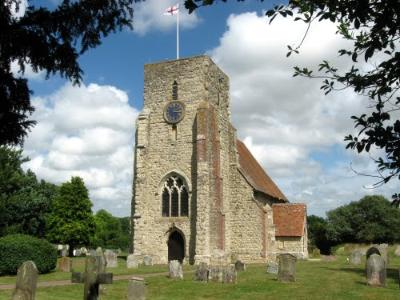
18,248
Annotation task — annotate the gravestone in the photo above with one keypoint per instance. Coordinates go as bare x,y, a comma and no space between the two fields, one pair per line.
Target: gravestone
383,249
77,252
92,252
287,267
92,278
136,289
201,273
376,270
175,269
222,273
355,257
101,259
64,264
240,266
64,251
328,258
111,259
147,260
27,276
132,261
229,274
397,251
272,267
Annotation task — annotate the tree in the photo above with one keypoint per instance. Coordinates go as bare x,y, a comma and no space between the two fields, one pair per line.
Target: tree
373,26
71,219
370,220
51,41
24,202
317,234
110,231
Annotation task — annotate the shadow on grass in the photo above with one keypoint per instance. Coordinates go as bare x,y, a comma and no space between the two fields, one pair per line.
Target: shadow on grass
391,273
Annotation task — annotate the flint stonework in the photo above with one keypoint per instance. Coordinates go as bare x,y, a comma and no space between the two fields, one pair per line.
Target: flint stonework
287,267
376,270
27,276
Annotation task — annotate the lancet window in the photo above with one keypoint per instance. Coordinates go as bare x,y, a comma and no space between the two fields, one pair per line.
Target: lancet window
175,198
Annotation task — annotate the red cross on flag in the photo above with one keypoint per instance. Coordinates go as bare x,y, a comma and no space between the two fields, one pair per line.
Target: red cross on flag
172,10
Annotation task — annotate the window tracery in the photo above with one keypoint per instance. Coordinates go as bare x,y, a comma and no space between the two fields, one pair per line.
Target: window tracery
175,198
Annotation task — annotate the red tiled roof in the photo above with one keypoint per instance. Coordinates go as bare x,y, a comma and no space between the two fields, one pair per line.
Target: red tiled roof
255,174
289,219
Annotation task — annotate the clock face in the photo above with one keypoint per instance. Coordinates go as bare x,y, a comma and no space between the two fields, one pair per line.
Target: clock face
174,112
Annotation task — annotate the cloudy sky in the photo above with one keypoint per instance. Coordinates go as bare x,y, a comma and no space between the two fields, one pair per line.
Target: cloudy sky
294,131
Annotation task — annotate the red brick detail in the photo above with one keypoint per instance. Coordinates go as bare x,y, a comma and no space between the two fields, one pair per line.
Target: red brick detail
289,219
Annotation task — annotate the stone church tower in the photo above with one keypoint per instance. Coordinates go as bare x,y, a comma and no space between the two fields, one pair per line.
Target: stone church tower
198,193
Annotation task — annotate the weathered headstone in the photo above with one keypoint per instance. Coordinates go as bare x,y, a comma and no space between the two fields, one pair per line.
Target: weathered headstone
240,266
92,278
201,273
27,276
147,260
92,252
64,264
272,267
77,252
397,251
355,257
216,273
132,261
136,289
64,251
328,258
376,270
175,269
287,267
101,259
383,249
111,259
230,274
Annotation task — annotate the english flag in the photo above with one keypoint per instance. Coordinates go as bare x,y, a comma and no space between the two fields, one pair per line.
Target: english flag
172,10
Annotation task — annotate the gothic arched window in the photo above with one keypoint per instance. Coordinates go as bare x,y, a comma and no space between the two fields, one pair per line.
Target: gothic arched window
174,198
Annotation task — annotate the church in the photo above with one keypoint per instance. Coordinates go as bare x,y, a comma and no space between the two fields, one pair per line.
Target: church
198,193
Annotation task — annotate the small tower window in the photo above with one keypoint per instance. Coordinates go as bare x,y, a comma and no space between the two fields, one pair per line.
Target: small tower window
175,91
175,198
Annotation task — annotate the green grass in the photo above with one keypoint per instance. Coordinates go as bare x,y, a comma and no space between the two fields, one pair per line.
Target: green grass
315,280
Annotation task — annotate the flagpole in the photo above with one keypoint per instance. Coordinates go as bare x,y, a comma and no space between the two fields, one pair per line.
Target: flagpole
177,34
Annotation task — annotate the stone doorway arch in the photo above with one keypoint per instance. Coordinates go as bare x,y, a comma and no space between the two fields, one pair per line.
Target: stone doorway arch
176,246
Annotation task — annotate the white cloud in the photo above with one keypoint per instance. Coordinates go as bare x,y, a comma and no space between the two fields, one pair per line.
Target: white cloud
148,16
284,120
28,73
86,131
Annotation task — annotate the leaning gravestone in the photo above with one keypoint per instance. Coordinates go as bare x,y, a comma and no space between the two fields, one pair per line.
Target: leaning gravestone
201,273
355,257
272,267
92,278
136,289
64,264
240,266
287,267
132,261
147,260
376,270
111,259
27,276
175,269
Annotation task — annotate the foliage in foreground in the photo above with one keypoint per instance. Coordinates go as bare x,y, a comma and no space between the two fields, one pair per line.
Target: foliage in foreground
18,248
51,41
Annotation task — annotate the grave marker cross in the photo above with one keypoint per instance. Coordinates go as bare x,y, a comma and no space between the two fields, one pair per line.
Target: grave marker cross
92,278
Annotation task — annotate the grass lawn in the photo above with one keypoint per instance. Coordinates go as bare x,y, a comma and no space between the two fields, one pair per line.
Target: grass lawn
315,280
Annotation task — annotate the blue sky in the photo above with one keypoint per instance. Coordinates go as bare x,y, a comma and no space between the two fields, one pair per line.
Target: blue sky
294,131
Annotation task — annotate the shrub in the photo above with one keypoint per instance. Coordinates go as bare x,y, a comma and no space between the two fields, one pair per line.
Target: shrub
18,248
